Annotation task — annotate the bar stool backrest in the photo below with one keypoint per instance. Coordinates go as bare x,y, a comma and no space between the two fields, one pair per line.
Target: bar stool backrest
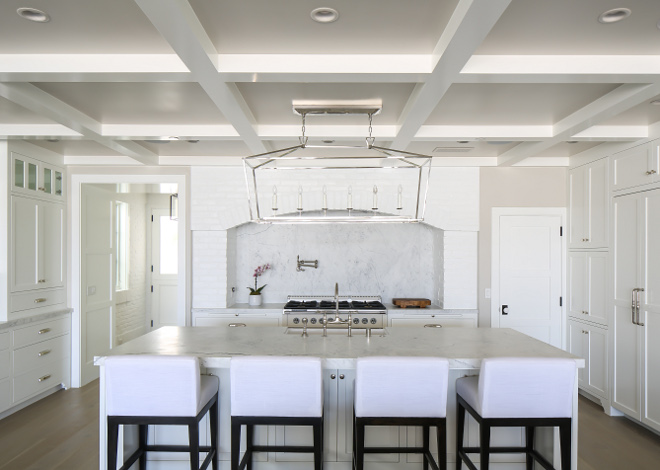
526,387
401,387
138,385
276,386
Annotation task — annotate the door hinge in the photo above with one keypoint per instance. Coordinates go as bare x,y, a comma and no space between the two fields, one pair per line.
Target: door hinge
152,323
561,301
152,268
152,288
561,231
152,218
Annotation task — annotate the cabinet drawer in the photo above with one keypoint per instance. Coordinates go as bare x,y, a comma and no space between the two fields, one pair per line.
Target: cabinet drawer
237,320
41,332
31,357
5,394
443,322
35,299
4,341
4,364
39,380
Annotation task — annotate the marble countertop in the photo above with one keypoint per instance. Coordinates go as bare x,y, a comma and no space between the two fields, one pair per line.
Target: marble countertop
34,318
464,347
278,307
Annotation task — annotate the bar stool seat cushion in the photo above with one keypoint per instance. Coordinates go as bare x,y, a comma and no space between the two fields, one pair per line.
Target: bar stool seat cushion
521,388
144,385
258,388
401,387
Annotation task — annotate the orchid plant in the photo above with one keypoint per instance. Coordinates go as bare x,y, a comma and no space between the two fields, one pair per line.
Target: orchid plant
257,274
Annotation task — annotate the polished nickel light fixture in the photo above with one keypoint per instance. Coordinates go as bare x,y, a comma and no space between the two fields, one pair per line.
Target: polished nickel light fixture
335,183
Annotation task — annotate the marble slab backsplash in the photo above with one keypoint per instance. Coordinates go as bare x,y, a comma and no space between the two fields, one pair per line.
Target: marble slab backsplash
390,260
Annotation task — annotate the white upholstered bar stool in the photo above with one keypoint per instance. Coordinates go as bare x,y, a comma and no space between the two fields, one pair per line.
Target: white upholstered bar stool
273,390
526,392
401,391
160,390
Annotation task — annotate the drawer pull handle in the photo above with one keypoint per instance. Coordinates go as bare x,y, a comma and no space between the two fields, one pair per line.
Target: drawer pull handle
432,326
41,280
234,325
42,189
44,352
45,377
45,330
38,301
650,172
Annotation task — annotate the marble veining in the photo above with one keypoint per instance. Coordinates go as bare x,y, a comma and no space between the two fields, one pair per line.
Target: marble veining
35,318
464,347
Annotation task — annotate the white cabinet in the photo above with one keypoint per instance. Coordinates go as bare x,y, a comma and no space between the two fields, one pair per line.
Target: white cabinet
590,342
36,178
431,320
636,319
587,286
37,238
588,193
638,166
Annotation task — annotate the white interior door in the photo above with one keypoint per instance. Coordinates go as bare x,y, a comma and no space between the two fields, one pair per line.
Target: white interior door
527,274
97,279
164,269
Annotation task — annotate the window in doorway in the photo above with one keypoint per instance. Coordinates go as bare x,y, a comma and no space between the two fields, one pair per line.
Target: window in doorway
121,237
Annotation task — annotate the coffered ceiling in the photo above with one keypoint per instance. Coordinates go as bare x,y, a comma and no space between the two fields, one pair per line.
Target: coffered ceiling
471,82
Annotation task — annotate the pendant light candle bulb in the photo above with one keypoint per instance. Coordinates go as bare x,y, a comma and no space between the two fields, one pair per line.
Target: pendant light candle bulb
274,198
325,198
375,204
300,206
399,199
349,204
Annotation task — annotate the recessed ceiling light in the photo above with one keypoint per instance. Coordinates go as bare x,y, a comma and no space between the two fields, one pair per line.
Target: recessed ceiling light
571,141
614,15
53,140
462,141
655,102
324,15
328,141
193,141
33,14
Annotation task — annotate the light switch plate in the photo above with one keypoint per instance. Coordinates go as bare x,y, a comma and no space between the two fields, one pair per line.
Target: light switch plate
487,293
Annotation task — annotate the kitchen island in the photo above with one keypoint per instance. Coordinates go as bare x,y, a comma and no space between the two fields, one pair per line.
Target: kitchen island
464,347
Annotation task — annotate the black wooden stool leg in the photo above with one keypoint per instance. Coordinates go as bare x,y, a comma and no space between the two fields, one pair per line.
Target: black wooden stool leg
193,437
442,444
113,437
214,434
359,446
460,431
143,445
565,444
425,446
529,447
318,446
484,436
235,444
249,438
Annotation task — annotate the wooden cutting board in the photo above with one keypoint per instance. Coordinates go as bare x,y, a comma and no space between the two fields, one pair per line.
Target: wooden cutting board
411,303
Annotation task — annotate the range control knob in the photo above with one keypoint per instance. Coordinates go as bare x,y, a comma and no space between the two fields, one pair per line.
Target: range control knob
356,320
296,320
373,321
313,321
365,320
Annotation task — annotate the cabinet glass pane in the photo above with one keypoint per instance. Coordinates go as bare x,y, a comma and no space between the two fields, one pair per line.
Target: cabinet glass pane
47,180
19,173
32,176
58,183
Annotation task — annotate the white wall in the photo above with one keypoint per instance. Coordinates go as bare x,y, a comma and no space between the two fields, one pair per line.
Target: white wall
219,203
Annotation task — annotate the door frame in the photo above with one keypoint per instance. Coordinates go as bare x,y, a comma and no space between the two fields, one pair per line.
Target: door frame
495,258
74,271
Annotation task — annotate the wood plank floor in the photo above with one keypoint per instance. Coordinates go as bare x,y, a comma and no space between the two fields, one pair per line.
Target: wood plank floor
61,432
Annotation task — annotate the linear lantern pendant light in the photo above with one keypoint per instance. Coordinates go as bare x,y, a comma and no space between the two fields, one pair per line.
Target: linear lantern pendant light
337,183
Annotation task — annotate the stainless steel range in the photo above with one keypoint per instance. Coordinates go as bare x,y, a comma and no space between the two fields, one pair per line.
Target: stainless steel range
310,311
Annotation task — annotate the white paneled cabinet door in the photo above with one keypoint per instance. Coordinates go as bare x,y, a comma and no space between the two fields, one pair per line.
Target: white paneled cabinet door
24,234
627,248
577,193
51,244
650,309
637,166
575,343
588,192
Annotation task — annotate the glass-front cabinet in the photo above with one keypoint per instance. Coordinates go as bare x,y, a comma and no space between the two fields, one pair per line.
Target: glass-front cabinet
31,176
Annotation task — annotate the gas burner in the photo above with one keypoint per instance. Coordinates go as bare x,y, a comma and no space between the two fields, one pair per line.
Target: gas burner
343,304
368,305
300,304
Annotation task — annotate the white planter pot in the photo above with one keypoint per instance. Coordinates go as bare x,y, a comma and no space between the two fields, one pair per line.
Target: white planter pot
254,299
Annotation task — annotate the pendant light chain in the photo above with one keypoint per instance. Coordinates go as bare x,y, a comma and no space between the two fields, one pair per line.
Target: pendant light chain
370,140
303,139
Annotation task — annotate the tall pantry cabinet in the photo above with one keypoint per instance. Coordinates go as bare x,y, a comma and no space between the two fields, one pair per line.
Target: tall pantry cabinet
636,293
588,242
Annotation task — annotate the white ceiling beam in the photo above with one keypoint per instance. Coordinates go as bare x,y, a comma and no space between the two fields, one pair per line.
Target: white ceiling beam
469,25
183,131
177,23
561,69
44,104
27,131
617,101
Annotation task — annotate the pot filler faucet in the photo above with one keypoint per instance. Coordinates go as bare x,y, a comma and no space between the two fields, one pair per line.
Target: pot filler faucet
337,320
